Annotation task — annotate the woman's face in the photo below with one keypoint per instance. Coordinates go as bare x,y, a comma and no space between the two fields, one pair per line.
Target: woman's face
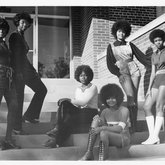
111,101
120,34
83,78
158,42
23,25
2,33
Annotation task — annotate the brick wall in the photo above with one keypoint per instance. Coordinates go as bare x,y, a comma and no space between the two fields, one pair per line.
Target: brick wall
136,15
97,40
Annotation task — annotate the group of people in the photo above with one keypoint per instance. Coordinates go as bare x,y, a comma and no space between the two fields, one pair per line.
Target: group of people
112,124
16,72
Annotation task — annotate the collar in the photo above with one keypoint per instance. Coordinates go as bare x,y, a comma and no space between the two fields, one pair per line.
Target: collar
21,33
119,43
160,51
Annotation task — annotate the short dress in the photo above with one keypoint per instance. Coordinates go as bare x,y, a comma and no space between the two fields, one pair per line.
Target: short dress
125,135
158,59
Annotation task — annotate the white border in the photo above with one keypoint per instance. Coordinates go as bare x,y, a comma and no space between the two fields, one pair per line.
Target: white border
82,3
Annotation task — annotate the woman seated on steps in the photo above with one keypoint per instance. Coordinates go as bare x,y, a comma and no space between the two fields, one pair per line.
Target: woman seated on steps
83,107
111,126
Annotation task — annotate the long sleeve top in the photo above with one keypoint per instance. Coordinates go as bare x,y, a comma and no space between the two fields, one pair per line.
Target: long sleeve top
87,98
111,60
4,54
19,49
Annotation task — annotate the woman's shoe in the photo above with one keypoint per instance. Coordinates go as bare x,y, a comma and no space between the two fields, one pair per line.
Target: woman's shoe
19,132
88,156
52,133
151,141
6,145
34,121
51,143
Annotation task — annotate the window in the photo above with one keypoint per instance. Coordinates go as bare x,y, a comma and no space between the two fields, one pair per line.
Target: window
53,48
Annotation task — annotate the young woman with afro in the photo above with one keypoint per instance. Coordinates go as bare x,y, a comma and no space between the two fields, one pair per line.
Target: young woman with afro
111,126
82,108
120,62
156,90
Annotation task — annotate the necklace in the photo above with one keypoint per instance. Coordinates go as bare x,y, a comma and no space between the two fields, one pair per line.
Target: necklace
83,88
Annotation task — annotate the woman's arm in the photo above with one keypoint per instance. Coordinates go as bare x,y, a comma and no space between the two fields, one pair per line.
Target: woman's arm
142,58
111,62
116,128
88,95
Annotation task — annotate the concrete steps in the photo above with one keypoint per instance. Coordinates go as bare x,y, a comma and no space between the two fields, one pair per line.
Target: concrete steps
32,149
134,152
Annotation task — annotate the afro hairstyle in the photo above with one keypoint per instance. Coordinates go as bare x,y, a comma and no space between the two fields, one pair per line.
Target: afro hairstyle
24,15
157,33
4,25
111,90
87,70
121,24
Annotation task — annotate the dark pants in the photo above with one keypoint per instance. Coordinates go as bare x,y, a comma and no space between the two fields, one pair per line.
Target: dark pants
32,80
68,116
11,100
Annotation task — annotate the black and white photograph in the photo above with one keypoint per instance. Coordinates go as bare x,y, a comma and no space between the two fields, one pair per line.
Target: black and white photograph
82,82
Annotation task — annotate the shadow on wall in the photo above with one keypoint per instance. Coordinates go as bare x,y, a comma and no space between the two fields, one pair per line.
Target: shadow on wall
147,75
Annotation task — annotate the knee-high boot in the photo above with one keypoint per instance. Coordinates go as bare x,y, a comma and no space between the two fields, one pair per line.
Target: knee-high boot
150,125
133,109
91,141
133,118
103,151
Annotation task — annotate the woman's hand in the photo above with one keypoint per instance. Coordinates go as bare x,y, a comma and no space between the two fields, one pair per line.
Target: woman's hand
96,117
97,130
121,79
63,99
147,94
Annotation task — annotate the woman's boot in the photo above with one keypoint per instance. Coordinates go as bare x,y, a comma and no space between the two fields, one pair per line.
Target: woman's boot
133,109
155,137
53,132
103,151
91,141
150,125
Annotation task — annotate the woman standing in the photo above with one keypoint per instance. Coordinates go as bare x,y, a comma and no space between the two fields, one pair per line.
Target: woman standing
73,111
25,73
120,62
7,85
156,90
111,126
